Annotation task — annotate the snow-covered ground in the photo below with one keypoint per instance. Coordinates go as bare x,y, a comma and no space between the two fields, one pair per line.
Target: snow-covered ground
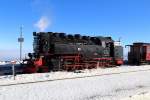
140,96
8,79
125,86
8,62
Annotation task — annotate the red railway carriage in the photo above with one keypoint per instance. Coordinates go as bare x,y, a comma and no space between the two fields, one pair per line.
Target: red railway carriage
139,53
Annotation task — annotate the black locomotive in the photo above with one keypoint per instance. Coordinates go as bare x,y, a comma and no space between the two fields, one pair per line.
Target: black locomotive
59,51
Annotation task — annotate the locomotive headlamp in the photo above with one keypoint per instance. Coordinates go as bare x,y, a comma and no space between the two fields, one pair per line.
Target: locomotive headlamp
79,49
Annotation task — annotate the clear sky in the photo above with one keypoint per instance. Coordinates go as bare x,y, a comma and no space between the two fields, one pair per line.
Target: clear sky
128,19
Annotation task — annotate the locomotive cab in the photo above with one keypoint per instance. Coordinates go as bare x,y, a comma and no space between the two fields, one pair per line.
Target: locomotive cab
118,53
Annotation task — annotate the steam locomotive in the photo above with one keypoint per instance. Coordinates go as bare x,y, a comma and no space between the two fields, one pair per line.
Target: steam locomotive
61,51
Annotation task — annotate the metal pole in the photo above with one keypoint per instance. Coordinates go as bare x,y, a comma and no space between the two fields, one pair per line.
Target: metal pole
21,40
20,51
21,44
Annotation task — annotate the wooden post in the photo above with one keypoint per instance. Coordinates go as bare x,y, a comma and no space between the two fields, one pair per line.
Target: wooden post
13,69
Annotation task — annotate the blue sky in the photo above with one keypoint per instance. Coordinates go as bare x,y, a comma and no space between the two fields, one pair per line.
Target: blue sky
128,19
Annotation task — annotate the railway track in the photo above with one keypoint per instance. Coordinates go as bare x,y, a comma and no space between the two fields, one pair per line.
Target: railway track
107,74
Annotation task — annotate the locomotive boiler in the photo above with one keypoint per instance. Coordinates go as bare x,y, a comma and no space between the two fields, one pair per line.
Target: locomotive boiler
60,51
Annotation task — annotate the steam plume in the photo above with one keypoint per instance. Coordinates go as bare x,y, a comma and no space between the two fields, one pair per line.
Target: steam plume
42,23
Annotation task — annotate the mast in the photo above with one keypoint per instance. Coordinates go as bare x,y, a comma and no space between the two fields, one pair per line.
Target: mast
21,40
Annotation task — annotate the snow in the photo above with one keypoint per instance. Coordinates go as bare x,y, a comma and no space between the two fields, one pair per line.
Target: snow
2,62
125,86
9,62
141,96
60,75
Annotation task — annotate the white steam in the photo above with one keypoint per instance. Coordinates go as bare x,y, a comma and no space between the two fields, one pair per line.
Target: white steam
43,23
